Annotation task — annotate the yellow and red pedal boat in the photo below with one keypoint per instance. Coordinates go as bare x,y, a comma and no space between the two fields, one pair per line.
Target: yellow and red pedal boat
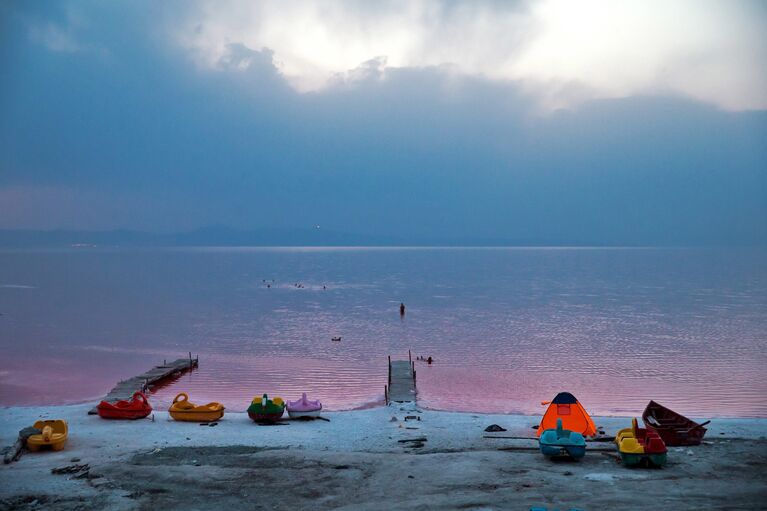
183,410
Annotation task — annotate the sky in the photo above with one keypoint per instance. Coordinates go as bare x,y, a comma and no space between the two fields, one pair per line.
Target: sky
607,122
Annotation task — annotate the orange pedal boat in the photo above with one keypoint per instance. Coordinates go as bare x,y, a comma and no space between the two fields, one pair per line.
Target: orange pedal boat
183,410
53,434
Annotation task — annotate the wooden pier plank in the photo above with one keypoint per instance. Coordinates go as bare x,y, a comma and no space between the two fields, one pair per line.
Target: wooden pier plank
126,388
402,386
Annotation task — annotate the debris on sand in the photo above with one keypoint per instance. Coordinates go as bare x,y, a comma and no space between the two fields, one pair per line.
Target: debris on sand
71,469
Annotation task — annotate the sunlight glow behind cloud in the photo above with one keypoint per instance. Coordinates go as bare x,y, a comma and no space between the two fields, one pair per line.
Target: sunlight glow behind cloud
711,50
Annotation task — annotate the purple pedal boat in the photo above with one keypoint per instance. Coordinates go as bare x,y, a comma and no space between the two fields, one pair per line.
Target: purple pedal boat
304,408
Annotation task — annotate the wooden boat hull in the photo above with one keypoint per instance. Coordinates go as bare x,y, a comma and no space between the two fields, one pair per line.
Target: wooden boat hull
675,429
676,438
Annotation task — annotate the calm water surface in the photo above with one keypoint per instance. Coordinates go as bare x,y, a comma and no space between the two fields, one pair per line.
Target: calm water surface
507,327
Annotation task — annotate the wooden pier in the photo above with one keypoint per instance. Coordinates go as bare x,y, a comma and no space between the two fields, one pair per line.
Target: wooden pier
126,388
402,378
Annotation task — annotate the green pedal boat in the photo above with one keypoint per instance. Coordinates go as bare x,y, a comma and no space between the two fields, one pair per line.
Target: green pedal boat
263,409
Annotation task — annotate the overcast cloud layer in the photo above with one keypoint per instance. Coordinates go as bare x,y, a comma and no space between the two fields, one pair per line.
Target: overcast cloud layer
617,122
712,50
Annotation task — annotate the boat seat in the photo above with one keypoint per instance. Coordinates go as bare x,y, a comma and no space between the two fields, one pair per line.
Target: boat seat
631,446
670,422
655,445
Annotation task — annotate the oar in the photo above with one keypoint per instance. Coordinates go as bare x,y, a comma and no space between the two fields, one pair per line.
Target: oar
698,426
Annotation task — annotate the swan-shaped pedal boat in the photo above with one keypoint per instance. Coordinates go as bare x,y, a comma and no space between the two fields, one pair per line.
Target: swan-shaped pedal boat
137,408
562,442
640,446
263,409
183,410
304,407
53,434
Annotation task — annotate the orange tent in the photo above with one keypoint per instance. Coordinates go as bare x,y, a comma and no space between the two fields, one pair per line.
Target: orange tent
564,406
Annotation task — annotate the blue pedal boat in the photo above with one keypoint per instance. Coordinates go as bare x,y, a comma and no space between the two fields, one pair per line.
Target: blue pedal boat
562,442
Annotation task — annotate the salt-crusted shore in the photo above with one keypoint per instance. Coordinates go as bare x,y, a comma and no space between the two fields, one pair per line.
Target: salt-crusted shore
358,460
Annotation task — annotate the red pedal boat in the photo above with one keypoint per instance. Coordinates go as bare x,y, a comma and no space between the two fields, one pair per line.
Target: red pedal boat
673,428
137,408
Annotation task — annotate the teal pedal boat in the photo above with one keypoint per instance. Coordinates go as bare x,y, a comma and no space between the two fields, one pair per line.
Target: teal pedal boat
560,442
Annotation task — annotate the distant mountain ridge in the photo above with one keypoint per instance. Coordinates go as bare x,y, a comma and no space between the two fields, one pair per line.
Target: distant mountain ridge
226,236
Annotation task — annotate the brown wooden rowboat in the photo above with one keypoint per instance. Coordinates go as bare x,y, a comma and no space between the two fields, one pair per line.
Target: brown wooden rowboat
675,429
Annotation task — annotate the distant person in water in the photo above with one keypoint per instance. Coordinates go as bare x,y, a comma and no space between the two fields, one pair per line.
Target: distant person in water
429,360
402,310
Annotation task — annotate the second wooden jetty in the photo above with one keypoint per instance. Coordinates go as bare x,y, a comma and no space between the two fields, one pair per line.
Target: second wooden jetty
126,388
402,381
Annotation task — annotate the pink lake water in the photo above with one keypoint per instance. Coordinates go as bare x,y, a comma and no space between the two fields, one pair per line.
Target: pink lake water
507,327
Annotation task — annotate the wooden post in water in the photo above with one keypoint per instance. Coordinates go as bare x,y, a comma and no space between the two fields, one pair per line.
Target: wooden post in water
386,394
409,356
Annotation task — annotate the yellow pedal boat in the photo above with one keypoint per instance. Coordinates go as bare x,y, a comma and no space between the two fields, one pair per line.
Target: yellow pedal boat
53,434
183,410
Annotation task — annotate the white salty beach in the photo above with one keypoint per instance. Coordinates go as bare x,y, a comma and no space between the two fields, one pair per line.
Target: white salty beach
364,459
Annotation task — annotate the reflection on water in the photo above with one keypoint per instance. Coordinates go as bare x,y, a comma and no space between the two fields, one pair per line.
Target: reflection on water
507,327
